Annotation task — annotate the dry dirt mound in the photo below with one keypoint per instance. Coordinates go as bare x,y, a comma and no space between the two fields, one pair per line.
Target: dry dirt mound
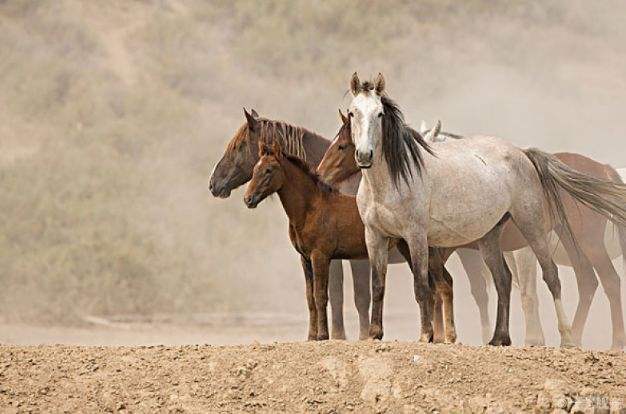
313,377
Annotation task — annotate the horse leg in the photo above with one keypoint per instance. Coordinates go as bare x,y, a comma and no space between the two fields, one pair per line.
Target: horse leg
378,251
526,264
586,280
443,310
310,298
448,307
612,288
320,264
435,268
362,294
335,286
533,227
474,268
418,247
490,250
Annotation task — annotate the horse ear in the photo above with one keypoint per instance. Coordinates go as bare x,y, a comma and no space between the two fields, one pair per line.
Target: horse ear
250,119
379,84
433,133
254,113
355,84
343,118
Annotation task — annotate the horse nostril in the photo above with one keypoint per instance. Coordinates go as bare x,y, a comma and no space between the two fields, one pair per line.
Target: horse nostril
371,154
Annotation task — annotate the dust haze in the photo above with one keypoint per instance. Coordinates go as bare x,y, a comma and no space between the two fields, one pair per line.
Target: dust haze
112,115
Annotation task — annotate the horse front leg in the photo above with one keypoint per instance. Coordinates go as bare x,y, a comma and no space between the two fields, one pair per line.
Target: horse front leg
335,294
310,298
362,294
492,254
378,251
320,263
418,248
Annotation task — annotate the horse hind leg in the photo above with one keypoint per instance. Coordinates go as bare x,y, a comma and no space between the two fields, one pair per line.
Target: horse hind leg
335,287
586,281
531,222
476,274
611,285
526,265
492,254
362,294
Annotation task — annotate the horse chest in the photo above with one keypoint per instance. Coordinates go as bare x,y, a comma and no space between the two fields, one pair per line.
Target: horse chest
302,240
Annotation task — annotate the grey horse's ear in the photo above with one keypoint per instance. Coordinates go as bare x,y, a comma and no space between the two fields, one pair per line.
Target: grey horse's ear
433,133
355,84
343,118
254,113
250,119
423,127
379,84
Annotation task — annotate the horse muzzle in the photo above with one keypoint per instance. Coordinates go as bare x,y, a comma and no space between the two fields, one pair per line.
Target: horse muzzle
218,191
364,158
251,201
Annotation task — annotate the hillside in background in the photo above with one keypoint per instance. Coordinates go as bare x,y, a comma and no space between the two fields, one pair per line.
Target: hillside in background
113,113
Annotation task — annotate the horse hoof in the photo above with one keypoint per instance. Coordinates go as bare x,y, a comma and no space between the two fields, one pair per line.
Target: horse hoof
426,337
535,342
450,339
322,337
312,337
376,332
504,341
338,336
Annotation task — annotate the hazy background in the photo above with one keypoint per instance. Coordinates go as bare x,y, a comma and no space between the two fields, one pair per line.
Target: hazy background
113,113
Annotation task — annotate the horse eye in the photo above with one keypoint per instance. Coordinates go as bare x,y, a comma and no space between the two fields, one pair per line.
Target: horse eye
380,115
342,147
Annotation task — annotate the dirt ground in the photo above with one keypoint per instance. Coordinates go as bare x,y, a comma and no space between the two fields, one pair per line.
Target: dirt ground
326,377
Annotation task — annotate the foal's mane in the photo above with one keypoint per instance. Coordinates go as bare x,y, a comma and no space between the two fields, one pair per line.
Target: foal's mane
302,166
290,137
400,143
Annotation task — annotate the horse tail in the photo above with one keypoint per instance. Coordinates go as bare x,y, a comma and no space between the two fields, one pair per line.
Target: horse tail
607,198
621,229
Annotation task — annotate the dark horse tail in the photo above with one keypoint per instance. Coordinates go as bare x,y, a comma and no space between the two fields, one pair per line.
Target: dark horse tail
607,198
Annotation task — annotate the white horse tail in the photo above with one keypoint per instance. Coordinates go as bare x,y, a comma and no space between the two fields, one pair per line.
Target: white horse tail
621,229
605,197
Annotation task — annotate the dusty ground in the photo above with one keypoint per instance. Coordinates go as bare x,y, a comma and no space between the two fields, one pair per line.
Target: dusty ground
333,376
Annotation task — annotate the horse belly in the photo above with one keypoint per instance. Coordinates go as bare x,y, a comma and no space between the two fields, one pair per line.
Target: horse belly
469,195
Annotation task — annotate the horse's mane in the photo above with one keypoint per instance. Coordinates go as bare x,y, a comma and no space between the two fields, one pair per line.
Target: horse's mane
290,137
400,143
301,165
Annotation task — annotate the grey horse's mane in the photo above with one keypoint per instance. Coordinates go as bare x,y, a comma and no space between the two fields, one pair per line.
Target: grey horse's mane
401,143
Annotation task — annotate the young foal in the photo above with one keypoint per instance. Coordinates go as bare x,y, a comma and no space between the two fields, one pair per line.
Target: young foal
323,224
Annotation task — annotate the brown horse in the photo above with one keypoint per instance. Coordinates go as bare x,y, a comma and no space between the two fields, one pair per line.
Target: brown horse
323,225
235,169
588,228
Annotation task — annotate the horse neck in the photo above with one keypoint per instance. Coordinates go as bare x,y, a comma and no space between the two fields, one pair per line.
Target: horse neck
377,177
315,147
297,193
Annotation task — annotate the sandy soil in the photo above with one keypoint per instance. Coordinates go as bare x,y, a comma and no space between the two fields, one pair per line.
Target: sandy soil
333,376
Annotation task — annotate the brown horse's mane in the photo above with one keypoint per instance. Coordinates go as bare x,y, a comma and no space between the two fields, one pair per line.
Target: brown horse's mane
302,166
290,137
